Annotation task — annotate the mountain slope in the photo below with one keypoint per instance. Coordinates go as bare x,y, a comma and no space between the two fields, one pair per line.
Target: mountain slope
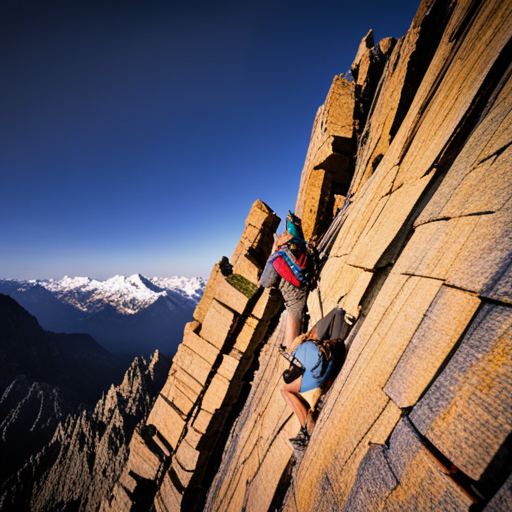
132,314
43,377
87,453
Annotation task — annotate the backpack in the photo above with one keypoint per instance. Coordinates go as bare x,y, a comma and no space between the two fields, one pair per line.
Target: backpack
329,334
291,261
290,267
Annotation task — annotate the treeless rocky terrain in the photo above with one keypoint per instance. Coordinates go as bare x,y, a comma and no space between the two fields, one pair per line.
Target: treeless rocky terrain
407,191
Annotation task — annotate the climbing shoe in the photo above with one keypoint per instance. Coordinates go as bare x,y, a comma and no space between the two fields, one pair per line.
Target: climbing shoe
301,440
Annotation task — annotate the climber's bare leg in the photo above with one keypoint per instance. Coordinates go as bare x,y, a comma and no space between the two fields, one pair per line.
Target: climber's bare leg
292,330
291,393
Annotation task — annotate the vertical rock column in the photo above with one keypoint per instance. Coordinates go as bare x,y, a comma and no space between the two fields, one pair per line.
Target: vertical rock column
329,165
173,457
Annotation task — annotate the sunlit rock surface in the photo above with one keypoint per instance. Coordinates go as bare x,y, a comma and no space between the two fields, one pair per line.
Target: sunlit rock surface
417,151
420,416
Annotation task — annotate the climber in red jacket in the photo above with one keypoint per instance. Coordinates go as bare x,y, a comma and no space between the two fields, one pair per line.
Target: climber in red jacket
289,263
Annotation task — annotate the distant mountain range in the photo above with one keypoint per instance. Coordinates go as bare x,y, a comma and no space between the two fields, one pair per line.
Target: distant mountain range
44,376
134,314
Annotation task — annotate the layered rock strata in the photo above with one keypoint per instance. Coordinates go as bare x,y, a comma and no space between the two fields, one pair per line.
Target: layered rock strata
175,455
420,416
328,167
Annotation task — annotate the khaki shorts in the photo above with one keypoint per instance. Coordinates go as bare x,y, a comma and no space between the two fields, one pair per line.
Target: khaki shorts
312,396
294,298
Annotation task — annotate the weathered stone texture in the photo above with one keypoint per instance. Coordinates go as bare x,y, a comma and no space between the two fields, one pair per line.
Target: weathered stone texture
217,324
472,395
366,43
257,452
422,485
434,211
419,418
445,321
374,482
328,167
252,251
205,381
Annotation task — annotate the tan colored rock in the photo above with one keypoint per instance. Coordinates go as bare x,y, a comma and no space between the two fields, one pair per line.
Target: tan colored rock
267,305
187,456
422,483
386,45
443,325
186,381
143,462
466,413
340,285
424,245
250,479
328,166
401,78
230,297
208,294
220,289
183,475
248,260
217,324
167,498
167,420
357,400
366,43
216,392
228,367
249,268
338,203
202,421
193,341
256,241
192,363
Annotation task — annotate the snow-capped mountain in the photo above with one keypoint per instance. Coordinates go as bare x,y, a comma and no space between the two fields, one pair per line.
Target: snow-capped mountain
133,314
127,295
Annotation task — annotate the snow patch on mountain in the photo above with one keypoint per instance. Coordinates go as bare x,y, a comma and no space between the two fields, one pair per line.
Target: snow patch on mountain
128,295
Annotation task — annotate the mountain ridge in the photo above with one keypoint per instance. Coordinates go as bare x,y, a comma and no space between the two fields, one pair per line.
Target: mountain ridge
123,314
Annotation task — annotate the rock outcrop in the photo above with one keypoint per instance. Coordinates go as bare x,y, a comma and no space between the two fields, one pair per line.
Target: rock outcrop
177,452
420,416
45,376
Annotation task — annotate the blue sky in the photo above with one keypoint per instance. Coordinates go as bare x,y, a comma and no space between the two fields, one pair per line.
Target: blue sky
135,135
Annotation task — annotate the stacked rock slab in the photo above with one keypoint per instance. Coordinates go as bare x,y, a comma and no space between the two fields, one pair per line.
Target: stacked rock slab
329,164
174,453
258,453
420,417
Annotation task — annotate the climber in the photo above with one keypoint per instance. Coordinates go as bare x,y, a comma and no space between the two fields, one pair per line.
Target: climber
313,366
290,263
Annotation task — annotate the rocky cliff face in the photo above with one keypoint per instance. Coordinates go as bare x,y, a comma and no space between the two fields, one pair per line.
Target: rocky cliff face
420,416
88,451
406,188
44,377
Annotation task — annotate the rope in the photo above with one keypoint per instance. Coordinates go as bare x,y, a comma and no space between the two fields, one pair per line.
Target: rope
330,235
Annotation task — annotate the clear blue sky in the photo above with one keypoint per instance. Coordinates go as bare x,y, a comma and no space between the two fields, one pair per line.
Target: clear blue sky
135,135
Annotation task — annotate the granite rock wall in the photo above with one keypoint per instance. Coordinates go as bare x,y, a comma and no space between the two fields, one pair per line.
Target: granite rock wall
420,416
175,455
417,149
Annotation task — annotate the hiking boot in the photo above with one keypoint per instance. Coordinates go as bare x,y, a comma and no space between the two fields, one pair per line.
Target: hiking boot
301,440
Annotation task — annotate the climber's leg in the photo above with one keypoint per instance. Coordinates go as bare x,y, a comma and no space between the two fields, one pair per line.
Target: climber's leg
291,393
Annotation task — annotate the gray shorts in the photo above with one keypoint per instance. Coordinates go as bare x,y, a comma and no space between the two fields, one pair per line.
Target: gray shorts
294,298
